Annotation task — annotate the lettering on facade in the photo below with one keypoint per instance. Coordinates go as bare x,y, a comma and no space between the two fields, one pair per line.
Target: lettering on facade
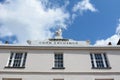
58,42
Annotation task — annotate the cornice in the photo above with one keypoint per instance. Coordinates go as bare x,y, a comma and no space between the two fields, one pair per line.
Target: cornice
33,47
62,73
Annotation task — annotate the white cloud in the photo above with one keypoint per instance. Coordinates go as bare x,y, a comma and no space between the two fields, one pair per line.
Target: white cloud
5,32
84,5
118,29
30,19
1,42
113,39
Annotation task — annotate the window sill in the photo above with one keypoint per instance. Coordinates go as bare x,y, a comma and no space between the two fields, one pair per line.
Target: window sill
101,68
14,67
58,68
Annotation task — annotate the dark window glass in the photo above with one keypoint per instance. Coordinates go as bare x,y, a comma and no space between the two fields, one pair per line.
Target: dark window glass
99,60
17,60
58,61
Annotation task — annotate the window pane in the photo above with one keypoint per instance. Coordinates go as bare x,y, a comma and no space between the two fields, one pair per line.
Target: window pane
58,61
24,60
17,59
99,60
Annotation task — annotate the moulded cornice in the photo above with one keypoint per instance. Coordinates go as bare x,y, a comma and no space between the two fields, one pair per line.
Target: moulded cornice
33,47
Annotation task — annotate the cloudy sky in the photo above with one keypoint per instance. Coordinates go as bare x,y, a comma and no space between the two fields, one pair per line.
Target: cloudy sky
94,20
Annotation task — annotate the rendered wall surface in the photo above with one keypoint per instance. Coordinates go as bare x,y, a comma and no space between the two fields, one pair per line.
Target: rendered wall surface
77,63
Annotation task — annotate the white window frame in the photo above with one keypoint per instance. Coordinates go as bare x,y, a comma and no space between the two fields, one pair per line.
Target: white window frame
59,67
103,55
24,55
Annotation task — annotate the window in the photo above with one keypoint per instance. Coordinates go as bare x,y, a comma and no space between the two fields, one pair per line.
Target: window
11,79
99,60
17,60
58,79
58,61
104,79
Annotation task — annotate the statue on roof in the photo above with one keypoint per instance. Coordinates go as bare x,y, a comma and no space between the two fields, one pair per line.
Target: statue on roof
58,34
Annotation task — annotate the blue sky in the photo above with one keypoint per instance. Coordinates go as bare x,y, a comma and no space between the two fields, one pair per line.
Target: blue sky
94,20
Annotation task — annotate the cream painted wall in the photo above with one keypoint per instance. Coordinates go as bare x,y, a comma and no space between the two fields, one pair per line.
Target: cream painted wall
60,76
77,65
74,61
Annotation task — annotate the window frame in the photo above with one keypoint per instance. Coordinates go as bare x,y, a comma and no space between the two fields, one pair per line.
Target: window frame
58,79
16,60
11,78
58,60
99,60
104,79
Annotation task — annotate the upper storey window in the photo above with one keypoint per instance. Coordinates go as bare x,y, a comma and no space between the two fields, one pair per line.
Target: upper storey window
58,61
17,60
99,60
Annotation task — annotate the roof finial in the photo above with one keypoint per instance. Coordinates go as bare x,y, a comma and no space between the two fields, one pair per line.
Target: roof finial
58,34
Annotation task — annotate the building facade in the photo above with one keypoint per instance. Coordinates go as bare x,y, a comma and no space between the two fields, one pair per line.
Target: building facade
59,59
